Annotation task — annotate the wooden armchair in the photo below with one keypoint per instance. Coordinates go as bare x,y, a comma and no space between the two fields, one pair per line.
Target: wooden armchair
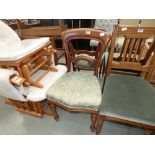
29,100
26,56
79,91
130,98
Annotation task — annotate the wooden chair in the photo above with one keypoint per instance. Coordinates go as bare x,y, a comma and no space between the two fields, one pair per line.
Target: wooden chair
26,56
59,54
130,98
79,91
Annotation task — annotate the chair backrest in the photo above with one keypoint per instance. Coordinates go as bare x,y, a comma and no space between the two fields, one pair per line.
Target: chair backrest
135,51
101,36
105,24
7,89
7,36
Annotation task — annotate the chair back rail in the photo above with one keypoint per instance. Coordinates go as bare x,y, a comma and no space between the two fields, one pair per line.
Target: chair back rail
133,54
101,36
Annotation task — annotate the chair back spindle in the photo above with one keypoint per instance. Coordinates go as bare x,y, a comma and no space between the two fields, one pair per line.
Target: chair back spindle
137,49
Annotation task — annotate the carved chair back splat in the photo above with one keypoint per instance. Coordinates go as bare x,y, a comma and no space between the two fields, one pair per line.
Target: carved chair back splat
84,33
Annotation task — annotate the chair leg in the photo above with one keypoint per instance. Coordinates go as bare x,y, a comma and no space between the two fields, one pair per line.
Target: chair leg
74,69
93,121
53,108
149,132
99,125
55,58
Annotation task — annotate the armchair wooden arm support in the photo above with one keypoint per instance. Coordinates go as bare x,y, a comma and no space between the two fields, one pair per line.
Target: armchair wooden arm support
17,80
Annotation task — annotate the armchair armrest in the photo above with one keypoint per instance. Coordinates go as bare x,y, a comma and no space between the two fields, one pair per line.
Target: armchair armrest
17,80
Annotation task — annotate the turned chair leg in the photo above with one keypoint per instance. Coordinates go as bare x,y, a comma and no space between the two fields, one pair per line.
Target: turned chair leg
93,122
99,125
149,132
54,111
74,69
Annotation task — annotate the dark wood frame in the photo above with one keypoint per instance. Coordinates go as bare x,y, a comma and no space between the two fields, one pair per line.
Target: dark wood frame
67,36
131,32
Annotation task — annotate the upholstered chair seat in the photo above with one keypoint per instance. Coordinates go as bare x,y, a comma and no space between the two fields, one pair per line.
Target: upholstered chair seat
125,97
76,89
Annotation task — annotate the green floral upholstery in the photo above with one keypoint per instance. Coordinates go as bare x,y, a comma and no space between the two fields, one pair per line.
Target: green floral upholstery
84,63
131,98
76,89
62,60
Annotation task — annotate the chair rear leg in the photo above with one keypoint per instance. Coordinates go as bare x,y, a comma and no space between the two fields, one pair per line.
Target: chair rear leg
53,108
99,125
93,121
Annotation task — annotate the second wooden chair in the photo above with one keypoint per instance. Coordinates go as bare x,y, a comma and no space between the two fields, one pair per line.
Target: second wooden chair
79,91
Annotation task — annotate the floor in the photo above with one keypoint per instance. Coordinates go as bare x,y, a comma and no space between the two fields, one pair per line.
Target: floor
13,122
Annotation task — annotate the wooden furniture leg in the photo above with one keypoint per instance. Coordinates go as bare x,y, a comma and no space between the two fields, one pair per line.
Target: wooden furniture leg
54,111
93,121
26,73
31,108
149,132
99,125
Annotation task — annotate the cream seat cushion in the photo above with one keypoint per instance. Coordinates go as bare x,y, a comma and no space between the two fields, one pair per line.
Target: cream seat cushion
19,50
7,36
8,90
12,48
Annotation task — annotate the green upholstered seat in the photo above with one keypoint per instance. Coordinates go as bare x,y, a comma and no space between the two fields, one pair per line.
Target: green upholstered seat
130,98
76,89
84,63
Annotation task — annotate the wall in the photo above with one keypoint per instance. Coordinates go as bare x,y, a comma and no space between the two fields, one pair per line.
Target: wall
145,22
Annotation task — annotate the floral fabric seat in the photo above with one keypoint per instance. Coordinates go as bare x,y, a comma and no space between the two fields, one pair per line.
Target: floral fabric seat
76,89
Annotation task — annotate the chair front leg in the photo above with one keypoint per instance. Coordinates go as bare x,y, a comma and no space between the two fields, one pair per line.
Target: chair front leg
53,108
93,121
149,132
99,125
